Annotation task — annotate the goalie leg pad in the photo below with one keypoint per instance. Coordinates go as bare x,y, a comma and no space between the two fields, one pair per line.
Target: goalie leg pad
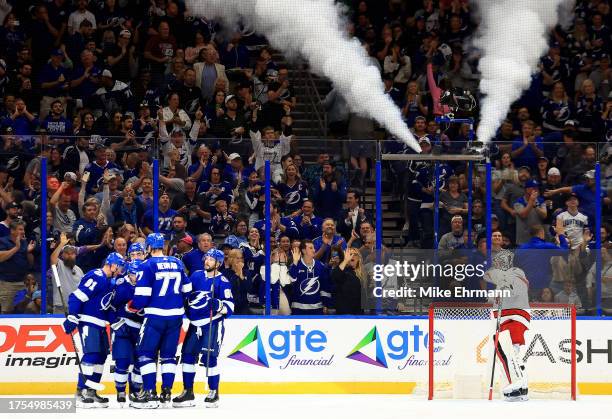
509,360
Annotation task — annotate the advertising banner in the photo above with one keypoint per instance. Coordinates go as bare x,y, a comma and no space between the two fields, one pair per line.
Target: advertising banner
319,355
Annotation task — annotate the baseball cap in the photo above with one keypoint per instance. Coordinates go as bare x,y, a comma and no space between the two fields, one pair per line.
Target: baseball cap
570,123
553,171
125,33
71,176
572,195
107,73
531,184
233,156
187,239
590,174
543,158
13,205
229,97
99,146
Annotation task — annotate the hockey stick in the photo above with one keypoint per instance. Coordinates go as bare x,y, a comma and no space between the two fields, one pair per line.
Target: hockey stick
496,341
208,344
88,383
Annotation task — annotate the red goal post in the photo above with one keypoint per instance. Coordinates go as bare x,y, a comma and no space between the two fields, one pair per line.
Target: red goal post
462,331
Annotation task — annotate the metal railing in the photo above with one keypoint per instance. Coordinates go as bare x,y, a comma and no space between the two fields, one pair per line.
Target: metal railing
316,113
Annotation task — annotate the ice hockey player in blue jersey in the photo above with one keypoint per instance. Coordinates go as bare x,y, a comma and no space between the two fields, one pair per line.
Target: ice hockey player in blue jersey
311,283
161,290
125,333
210,303
88,310
136,251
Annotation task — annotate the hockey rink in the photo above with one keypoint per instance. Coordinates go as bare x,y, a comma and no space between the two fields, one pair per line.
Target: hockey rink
358,406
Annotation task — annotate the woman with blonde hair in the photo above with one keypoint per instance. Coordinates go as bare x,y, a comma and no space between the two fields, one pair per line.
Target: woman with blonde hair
348,278
589,108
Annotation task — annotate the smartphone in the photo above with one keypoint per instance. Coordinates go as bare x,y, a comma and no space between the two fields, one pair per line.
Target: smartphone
85,177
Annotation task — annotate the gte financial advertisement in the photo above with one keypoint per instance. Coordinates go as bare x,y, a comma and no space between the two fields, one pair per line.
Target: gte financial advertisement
330,350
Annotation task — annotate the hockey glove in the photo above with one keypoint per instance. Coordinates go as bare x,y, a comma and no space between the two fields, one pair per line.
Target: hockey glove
215,305
70,324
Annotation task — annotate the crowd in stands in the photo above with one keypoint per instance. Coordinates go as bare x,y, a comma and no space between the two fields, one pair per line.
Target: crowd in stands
101,88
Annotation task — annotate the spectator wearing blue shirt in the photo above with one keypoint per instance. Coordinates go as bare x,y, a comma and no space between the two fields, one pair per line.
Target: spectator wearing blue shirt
26,296
329,192
234,54
327,240
165,217
307,222
22,122
55,123
84,81
54,83
16,257
97,168
527,149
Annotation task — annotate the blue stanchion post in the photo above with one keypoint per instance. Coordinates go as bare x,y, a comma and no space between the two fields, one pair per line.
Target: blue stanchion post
378,224
598,237
488,204
268,224
43,235
470,197
156,194
436,206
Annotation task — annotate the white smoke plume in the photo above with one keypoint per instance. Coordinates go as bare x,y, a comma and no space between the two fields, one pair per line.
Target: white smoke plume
315,29
512,36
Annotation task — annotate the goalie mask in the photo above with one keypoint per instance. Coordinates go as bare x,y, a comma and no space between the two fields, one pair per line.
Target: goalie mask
503,260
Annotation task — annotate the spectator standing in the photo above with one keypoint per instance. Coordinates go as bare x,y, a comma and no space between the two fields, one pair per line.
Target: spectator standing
208,71
347,279
159,51
530,210
329,192
16,257
79,15
64,257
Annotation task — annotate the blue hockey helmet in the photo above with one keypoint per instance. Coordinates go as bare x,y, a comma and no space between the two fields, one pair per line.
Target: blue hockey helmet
115,258
134,266
155,241
216,254
136,247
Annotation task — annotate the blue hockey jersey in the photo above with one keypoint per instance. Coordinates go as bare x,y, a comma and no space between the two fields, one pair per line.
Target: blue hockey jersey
291,229
92,299
204,289
124,293
162,287
253,260
311,286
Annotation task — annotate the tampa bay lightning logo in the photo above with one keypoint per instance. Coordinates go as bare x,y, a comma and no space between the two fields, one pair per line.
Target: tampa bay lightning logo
293,197
198,299
564,113
310,286
106,301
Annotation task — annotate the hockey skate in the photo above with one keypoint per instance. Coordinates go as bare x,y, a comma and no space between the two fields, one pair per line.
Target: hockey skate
121,398
100,402
185,399
165,397
513,393
212,400
146,399
83,401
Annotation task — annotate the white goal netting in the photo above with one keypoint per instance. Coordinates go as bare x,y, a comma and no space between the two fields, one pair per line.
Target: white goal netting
461,350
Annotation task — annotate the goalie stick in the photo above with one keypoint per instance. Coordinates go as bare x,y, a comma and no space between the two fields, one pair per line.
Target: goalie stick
496,341
88,383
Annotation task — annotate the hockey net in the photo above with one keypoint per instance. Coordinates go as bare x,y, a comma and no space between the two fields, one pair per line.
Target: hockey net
460,350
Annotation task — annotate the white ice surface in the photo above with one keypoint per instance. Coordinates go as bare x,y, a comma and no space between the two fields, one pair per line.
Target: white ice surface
355,407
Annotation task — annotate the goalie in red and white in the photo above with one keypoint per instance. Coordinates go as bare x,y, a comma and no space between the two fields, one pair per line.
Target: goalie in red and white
514,321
